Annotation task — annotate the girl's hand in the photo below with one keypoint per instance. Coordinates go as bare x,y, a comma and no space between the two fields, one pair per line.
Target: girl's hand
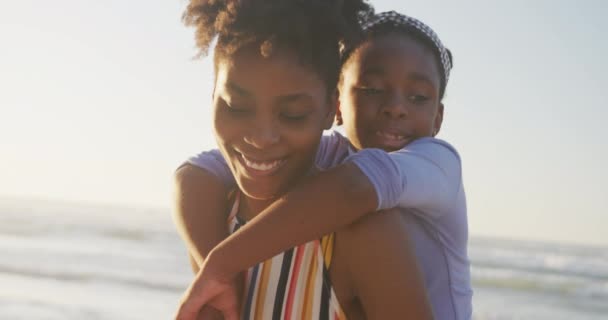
205,291
209,313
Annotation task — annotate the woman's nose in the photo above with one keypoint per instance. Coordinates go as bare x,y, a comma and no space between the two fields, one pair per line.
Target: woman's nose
262,135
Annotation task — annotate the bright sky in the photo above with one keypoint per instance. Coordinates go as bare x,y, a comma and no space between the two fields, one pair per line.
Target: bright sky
100,101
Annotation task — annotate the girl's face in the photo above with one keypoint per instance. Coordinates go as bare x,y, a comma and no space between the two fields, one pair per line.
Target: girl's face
389,93
269,114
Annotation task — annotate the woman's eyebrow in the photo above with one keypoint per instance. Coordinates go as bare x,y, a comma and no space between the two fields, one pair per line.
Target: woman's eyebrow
373,71
233,87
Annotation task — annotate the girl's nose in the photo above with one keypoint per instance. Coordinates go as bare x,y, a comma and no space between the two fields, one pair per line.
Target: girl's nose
395,106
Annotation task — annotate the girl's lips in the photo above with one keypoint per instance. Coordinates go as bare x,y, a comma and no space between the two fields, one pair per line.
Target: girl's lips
391,140
390,135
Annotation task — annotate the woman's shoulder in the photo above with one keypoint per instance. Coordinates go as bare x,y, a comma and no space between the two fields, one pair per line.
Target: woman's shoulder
205,159
333,149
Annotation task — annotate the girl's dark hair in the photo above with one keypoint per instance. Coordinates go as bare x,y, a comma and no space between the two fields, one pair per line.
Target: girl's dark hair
310,29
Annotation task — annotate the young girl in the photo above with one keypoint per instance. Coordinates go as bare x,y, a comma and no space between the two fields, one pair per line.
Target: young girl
276,69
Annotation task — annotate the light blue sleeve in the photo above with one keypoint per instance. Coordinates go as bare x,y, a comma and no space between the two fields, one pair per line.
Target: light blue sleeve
212,161
332,150
425,174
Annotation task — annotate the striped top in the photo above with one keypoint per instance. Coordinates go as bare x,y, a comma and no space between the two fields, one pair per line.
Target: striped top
293,284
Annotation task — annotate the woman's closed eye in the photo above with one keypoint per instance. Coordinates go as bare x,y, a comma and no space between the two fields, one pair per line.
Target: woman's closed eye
238,109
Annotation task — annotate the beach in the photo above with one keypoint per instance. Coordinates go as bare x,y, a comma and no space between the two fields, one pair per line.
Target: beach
75,261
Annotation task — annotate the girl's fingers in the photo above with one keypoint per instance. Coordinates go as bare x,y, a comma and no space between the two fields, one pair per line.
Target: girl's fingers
193,302
209,313
186,312
231,314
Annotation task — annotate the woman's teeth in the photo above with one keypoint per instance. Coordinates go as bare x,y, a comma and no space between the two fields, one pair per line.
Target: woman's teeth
262,165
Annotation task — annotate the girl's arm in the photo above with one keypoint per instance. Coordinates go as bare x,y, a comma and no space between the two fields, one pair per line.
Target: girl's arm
319,205
426,176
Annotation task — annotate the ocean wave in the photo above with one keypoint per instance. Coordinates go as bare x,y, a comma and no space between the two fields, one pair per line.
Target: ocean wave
40,309
85,222
571,261
591,274
545,283
140,250
155,282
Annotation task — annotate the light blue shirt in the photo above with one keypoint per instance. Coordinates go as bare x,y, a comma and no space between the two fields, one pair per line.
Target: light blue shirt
425,180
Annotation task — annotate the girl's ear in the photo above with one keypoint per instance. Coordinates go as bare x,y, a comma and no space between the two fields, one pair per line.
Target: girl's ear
438,120
333,111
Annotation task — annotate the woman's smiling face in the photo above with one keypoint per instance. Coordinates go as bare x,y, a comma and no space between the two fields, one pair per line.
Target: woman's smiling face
269,114
389,93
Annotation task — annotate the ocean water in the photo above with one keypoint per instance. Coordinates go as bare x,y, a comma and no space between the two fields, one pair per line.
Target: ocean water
67,261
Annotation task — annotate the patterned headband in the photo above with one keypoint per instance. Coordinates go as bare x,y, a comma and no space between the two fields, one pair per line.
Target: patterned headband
399,20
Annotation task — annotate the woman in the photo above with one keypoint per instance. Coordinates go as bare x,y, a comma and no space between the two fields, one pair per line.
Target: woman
276,70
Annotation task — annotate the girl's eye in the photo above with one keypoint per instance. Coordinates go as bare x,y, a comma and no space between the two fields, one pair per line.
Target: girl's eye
418,98
369,91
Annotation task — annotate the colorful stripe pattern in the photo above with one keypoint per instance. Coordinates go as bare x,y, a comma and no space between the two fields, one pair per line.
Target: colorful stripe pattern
292,285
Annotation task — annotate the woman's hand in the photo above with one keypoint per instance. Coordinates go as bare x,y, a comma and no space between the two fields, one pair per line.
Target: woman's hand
209,291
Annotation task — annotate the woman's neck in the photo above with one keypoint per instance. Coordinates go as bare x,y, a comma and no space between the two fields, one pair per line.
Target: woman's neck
249,207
